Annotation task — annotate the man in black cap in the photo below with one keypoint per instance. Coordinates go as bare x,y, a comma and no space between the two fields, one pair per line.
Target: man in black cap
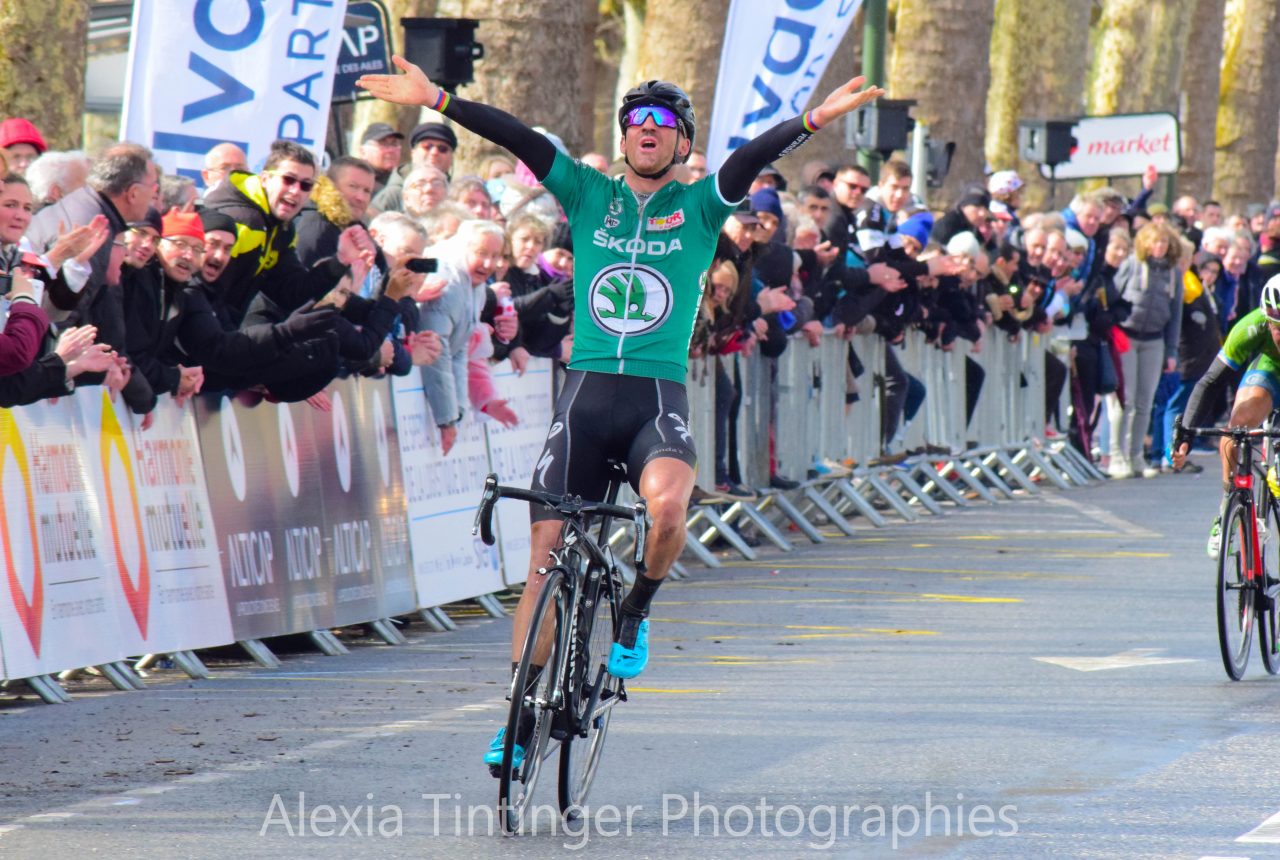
380,146
430,144
967,216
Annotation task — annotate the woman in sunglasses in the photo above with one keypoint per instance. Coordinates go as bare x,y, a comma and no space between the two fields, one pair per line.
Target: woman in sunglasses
642,245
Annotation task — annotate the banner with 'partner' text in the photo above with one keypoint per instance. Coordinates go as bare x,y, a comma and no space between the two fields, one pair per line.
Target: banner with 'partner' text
248,72
774,54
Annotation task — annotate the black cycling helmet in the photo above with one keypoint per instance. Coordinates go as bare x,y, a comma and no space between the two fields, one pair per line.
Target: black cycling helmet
664,94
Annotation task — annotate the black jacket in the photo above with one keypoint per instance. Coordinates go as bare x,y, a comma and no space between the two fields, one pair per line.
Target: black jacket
264,259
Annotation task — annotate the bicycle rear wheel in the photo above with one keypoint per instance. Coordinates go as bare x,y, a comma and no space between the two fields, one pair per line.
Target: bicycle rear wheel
516,785
1235,592
597,692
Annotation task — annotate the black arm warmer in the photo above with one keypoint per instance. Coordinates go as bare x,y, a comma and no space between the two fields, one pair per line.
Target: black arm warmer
500,127
1219,378
746,162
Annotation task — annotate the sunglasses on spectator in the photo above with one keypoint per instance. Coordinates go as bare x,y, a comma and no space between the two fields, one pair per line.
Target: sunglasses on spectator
863,188
662,117
289,181
185,247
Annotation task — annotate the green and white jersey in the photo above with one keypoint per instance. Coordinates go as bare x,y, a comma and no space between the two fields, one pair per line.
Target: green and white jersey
639,268
1249,339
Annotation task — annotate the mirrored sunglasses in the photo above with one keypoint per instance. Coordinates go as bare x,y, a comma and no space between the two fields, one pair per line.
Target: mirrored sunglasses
662,117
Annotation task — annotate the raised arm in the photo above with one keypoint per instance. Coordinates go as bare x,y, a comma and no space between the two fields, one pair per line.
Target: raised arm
497,126
745,164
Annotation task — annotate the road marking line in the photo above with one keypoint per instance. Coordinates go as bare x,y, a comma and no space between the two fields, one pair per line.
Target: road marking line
1266,832
1124,660
887,630
671,692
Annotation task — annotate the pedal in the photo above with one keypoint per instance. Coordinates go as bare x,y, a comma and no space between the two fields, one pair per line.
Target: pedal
495,771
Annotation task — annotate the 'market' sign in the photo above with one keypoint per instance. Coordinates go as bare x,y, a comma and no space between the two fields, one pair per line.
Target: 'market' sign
245,71
1122,145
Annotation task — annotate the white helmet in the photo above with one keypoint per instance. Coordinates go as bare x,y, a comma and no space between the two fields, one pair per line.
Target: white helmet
1270,302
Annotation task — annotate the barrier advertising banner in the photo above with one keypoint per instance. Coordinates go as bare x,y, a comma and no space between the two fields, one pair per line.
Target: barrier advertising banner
441,493
774,54
56,604
352,495
513,453
263,474
199,71
168,592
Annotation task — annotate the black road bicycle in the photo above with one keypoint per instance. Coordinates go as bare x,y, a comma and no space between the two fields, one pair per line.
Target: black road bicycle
1247,556
571,631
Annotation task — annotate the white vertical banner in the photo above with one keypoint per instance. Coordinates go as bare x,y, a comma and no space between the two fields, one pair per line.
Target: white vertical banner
774,54
245,71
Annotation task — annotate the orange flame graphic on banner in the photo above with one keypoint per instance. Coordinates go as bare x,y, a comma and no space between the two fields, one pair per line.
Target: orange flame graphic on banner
31,614
112,441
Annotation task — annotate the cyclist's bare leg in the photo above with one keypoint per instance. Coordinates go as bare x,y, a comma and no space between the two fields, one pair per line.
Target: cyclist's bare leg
543,540
1252,406
666,484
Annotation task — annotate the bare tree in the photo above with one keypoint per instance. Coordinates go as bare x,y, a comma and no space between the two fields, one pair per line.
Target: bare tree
1038,58
537,67
941,59
1249,104
1138,60
42,61
1201,75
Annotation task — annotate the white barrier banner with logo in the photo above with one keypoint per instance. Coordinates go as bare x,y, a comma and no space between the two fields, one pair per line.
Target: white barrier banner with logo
158,534
201,73
1122,145
774,54
442,492
513,453
57,604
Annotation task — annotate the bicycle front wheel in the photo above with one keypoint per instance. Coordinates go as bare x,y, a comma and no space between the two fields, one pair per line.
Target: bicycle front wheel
1268,566
597,694
1235,590
531,692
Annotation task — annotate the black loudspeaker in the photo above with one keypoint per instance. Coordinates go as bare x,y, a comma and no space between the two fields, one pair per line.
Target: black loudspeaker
1046,141
881,126
444,48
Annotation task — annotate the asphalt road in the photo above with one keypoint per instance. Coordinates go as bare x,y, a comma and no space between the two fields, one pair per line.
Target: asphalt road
1034,679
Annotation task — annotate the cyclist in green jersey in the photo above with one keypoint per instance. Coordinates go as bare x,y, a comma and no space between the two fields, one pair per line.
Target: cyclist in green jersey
1251,355
642,245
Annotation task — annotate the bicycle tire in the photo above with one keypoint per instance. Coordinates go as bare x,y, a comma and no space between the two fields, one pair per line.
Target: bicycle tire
1268,615
580,756
516,787
1236,605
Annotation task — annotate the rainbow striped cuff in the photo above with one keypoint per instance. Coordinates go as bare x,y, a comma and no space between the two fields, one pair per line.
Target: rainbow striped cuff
809,125
442,102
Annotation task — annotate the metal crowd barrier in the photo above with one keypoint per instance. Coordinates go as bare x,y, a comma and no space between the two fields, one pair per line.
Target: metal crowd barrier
833,446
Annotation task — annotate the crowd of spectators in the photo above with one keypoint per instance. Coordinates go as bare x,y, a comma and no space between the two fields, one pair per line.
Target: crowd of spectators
281,278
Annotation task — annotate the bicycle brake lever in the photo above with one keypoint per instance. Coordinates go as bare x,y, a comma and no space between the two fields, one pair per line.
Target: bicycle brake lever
483,524
642,526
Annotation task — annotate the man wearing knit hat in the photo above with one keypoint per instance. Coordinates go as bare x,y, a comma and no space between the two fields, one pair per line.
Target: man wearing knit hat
219,239
22,143
148,295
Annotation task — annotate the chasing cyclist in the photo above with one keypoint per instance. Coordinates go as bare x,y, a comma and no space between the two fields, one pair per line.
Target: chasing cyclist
643,243
1252,349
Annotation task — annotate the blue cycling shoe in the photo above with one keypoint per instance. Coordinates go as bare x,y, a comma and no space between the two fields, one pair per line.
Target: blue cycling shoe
493,757
628,661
